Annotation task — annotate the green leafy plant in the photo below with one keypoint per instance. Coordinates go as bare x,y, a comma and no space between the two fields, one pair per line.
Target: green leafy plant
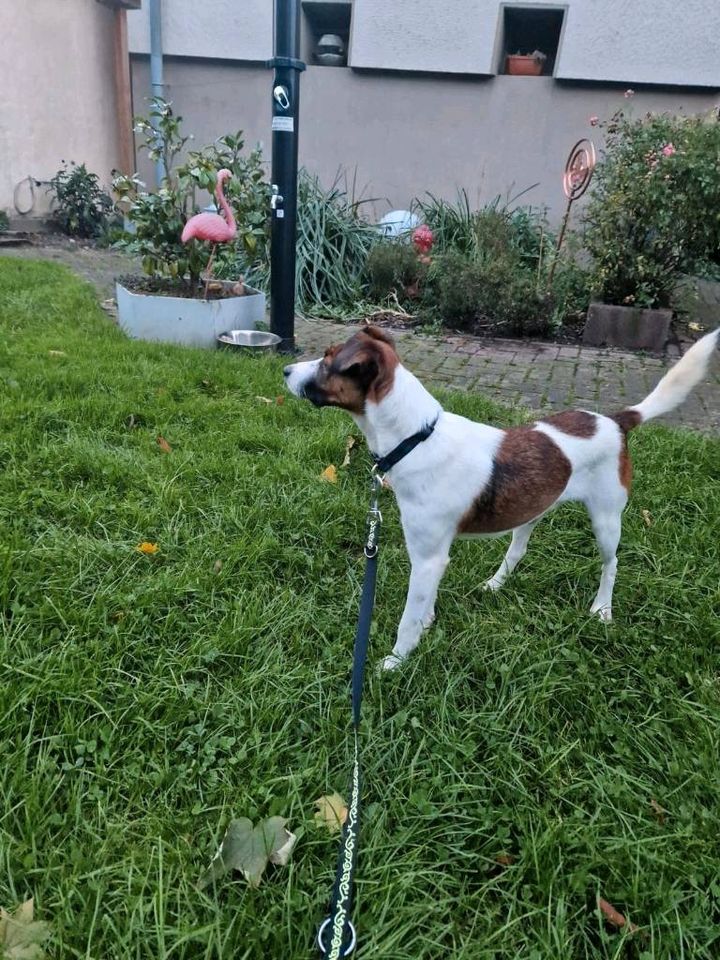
653,208
393,267
83,208
158,218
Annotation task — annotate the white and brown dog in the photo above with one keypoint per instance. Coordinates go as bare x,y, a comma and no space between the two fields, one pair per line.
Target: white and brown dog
463,478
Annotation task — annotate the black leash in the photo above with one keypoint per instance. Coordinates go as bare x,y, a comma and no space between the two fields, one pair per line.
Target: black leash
336,936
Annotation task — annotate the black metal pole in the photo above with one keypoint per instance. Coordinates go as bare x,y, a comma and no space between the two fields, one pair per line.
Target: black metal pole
285,118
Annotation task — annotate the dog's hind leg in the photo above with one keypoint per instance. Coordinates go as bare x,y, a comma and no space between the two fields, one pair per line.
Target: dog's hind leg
516,551
425,576
606,516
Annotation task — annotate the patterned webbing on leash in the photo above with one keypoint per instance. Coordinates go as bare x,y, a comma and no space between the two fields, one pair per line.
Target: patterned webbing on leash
336,936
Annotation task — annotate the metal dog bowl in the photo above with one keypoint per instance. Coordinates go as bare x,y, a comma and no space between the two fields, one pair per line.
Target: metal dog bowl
253,340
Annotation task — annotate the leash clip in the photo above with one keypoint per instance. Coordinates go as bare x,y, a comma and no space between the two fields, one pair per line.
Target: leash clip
323,927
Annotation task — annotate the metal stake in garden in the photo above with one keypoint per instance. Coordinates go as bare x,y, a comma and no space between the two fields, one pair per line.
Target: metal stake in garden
285,117
576,179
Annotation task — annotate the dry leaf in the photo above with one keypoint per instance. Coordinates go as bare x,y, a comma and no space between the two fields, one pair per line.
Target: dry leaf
646,517
614,916
164,445
57,353
280,400
658,811
281,856
217,566
695,327
331,812
264,399
20,935
351,441
329,474
249,849
505,859
147,548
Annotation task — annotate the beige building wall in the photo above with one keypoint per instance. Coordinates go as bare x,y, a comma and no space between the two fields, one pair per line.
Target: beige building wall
402,135
57,92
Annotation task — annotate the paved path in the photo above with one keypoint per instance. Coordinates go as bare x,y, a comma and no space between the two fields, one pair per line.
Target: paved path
539,375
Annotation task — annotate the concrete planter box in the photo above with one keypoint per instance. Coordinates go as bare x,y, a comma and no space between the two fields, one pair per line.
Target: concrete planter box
632,328
193,323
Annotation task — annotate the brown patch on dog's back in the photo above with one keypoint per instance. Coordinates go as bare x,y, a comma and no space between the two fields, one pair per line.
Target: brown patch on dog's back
576,423
529,473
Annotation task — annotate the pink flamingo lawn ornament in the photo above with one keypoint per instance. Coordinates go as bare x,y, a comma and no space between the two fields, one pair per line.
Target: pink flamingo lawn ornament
211,226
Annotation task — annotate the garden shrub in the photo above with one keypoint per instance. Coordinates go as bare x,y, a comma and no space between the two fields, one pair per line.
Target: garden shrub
653,211
394,267
158,218
494,294
83,207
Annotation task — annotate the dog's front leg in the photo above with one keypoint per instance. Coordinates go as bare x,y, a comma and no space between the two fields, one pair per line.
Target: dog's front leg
425,576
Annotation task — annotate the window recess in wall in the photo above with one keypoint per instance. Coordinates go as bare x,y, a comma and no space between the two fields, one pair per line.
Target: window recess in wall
326,32
530,38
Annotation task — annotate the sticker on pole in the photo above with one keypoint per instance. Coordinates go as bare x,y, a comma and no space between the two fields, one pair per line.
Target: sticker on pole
283,124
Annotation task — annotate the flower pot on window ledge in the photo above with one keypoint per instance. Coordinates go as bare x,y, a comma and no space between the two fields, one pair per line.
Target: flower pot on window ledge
631,328
521,65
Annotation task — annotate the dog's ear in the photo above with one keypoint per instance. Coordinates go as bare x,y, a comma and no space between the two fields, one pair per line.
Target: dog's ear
378,334
361,363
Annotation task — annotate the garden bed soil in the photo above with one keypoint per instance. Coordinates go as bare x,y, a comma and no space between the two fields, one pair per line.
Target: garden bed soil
166,287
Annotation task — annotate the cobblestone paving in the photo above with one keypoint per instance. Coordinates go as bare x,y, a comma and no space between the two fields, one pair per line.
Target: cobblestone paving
538,375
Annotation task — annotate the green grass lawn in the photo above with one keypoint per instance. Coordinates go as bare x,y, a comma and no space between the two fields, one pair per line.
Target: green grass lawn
510,767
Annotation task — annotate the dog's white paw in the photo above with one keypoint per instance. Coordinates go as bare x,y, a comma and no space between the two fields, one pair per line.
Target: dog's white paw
492,584
391,662
603,613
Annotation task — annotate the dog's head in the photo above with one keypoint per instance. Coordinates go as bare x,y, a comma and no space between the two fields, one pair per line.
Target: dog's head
351,375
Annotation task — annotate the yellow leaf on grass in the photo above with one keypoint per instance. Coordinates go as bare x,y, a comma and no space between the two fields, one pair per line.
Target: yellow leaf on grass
57,353
21,935
331,812
148,548
351,441
264,399
164,445
647,517
329,474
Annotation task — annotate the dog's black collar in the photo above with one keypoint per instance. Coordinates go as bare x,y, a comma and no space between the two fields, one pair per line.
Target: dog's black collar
383,464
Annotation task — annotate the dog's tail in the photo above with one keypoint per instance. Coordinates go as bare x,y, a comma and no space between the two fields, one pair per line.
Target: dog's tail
675,386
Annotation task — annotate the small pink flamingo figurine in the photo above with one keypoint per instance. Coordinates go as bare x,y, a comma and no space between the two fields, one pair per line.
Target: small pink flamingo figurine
211,226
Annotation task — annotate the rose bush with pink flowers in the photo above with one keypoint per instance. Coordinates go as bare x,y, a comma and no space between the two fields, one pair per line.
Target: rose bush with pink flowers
653,210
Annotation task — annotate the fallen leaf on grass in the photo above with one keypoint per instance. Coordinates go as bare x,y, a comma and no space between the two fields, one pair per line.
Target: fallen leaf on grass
658,811
331,812
646,517
351,441
249,849
147,548
21,935
264,399
696,327
615,917
329,474
57,353
217,566
280,400
164,445
505,859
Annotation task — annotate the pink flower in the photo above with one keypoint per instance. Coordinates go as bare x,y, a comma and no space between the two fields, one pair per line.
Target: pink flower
423,239
629,93
594,121
668,150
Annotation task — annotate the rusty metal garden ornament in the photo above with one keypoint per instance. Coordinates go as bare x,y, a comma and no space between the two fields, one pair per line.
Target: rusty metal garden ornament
576,179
